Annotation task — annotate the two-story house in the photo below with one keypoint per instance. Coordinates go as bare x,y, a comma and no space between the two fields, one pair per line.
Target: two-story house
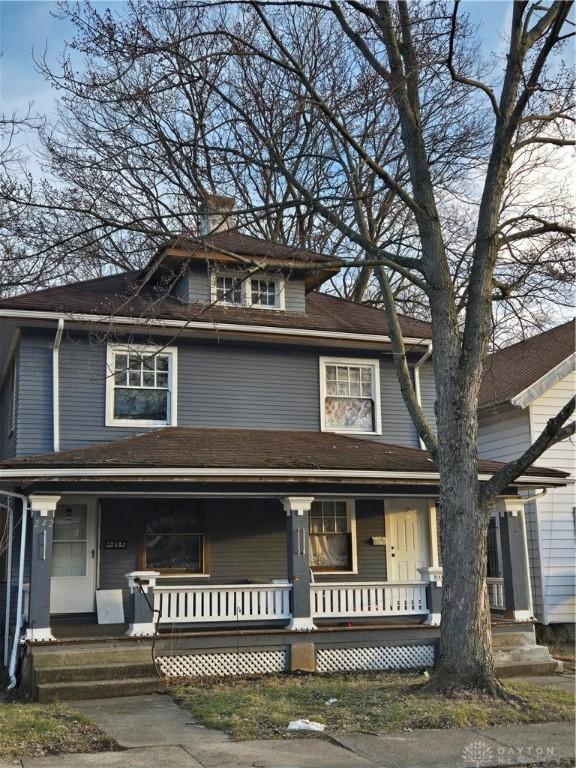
524,386
212,452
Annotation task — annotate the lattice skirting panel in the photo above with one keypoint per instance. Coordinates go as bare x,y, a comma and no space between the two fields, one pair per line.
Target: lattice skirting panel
224,664
379,657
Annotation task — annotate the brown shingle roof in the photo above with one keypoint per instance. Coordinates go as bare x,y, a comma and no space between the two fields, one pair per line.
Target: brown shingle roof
511,370
195,448
123,295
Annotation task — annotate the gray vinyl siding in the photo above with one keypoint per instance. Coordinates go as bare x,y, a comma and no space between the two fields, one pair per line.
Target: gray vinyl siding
34,417
428,392
219,385
245,542
7,404
195,287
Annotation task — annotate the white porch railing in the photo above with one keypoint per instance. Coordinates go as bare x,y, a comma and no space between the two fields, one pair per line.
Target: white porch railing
340,600
496,592
193,605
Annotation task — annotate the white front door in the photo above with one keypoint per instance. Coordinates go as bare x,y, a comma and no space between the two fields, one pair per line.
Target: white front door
74,558
407,546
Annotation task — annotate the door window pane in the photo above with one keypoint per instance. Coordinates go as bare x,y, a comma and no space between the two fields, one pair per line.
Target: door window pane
69,541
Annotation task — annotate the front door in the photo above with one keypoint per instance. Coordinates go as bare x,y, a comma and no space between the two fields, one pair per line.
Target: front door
407,546
73,558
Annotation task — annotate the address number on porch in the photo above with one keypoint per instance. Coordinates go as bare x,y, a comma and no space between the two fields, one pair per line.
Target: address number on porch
115,544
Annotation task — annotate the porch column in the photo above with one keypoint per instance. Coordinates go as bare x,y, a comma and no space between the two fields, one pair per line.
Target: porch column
515,567
42,513
141,620
433,574
297,510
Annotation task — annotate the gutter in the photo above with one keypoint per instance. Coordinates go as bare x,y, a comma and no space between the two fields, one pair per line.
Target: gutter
207,325
220,473
417,390
56,386
19,598
10,511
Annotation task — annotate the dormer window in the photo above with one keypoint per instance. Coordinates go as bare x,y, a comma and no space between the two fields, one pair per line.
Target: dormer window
228,289
239,290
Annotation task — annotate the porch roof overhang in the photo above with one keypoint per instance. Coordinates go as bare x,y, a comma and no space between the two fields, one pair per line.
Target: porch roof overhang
202,455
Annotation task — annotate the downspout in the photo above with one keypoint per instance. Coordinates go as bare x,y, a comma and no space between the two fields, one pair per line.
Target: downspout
19,599
56,385
10,511
417,390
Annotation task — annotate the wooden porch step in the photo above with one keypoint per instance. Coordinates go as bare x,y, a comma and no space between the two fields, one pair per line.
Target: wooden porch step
96,689
87,673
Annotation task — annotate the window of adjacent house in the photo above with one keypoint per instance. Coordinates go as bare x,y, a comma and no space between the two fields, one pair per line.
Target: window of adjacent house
350,396
141,386
173,540
332,545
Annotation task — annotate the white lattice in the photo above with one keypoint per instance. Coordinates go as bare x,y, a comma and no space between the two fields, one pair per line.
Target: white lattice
380,657
223,664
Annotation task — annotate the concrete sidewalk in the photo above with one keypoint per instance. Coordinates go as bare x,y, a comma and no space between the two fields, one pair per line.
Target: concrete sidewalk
156,733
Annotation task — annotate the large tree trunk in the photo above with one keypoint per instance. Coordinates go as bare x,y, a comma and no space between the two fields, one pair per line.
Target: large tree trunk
465,659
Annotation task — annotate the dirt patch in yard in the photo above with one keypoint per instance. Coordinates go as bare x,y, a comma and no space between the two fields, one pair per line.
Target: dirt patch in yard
352,703
36,730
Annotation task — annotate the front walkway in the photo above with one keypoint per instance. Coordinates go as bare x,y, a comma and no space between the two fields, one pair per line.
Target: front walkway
156,733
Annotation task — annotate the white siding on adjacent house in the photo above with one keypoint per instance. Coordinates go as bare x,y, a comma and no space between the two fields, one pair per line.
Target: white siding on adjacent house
556,510
503,438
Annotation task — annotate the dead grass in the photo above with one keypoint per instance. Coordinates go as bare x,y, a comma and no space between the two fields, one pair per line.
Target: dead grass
35,730
377,703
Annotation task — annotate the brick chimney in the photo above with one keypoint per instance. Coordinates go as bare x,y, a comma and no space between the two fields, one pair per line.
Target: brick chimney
216,214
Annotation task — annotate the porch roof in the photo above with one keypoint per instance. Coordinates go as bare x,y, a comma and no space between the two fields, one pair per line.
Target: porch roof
203,453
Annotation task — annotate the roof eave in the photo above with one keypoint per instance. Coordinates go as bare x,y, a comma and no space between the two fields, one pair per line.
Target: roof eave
538,388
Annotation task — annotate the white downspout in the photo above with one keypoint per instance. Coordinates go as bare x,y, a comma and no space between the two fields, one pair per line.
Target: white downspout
18,626
417,390
56,385
10,511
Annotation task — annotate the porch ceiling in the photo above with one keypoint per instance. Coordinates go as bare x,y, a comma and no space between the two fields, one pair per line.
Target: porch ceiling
241,454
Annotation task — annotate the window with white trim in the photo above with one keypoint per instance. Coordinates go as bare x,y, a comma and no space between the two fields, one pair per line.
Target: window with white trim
332,536
235,289
350,394
141,386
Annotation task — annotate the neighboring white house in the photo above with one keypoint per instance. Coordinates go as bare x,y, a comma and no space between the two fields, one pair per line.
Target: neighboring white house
524,385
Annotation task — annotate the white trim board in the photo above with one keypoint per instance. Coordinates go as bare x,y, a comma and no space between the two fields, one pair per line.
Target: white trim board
544,383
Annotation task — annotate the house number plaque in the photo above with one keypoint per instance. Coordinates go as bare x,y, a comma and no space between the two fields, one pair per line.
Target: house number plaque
115,544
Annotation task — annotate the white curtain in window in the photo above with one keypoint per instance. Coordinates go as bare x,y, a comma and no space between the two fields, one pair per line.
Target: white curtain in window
329,550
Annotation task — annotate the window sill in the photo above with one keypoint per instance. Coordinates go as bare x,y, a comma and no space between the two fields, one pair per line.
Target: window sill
137,423
319,574
182,576
350,433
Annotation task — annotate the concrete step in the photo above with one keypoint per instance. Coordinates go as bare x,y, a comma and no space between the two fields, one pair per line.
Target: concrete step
84,673
46,692
511,639
528,668
101,656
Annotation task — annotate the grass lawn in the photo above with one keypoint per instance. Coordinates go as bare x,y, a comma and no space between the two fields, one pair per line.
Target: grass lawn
35,730
376,703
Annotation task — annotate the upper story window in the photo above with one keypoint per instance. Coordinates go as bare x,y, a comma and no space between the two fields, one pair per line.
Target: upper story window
141,386
333,536
350,395
237,290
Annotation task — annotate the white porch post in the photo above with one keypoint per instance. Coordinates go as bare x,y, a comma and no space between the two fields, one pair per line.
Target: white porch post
433,574
297,510
141,585
515,564
42,513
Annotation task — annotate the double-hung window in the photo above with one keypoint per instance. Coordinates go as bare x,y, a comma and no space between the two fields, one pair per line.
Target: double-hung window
332,536
350,395
239,290
141,386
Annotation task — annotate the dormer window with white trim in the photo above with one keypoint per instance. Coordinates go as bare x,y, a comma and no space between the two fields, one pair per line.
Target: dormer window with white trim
141,386
350,396
239,290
